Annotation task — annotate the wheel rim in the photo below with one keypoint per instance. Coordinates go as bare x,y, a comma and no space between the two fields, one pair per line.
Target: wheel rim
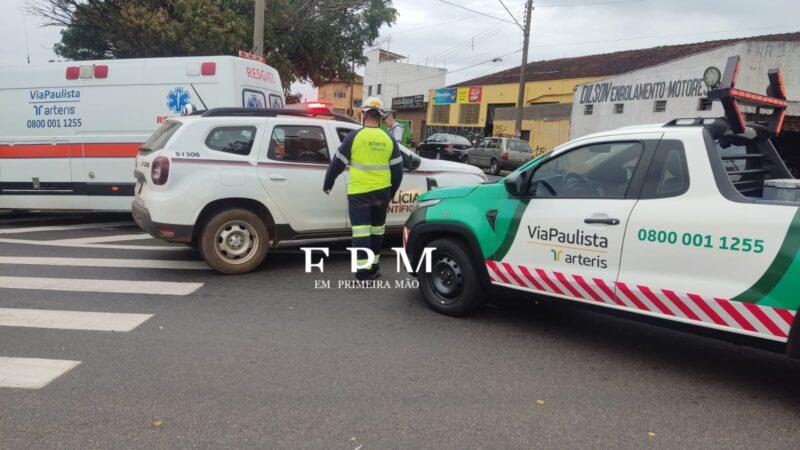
446,279
236,242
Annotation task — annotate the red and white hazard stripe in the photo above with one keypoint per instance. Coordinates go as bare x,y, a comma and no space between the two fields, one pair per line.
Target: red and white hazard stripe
740,317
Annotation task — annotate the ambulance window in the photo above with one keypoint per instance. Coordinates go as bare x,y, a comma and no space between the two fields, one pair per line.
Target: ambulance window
275,101
253,99
161,136
236,140
668,175
302,144
595,171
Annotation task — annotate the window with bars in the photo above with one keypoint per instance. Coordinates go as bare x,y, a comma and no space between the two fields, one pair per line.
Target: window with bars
704,104
469,113
660,106
588,110
619,108
441,114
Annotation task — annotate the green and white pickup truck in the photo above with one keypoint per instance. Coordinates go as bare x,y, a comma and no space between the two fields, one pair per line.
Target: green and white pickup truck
672,221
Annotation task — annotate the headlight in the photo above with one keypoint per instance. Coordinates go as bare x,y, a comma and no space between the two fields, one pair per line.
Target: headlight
425,203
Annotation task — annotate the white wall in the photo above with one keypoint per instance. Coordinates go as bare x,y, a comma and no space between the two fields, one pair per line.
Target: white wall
757,59
399,79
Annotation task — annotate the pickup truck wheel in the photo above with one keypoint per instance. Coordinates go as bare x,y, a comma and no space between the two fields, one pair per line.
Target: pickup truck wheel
494,167
452,288
234,241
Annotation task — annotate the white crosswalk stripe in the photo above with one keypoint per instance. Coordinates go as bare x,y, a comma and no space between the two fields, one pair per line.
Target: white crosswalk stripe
105,262
92,285
71,320
32,373
82,226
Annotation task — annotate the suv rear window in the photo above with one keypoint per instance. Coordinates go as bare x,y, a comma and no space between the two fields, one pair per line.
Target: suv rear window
160,137
236,140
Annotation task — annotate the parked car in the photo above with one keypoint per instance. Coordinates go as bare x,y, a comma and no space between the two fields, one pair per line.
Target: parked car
444,146
498,153
234,182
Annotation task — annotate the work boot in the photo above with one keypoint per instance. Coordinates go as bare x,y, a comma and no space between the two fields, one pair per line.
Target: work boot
375,270
364,275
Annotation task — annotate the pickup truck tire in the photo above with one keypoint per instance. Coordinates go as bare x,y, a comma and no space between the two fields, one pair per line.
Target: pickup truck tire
234,241
452,288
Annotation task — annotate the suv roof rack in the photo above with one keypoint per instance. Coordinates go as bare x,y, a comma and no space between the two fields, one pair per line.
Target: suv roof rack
272,112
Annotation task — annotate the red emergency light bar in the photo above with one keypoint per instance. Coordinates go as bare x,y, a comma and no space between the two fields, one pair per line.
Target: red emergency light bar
731,97
254,57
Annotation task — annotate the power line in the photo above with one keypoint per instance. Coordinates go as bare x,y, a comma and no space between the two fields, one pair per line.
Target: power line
510,14
567,5
477,12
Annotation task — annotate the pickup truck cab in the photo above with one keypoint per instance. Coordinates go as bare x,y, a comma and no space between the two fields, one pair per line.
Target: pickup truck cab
669,222
233,182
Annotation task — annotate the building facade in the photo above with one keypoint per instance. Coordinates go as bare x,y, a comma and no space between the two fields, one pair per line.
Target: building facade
338,94
387,76
583,87
675,89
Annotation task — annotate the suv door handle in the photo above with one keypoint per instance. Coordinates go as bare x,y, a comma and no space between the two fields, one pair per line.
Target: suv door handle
276,177
601,220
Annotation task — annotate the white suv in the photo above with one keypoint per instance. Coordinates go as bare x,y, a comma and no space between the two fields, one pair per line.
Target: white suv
232,182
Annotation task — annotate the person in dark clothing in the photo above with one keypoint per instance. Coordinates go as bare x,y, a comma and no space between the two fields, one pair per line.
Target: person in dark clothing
376,171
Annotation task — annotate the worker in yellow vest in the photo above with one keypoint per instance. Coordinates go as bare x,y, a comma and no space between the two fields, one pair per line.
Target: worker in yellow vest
376,170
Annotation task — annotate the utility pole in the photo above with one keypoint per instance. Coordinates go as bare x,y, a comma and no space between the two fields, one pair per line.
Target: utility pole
352,111
522,69
258,27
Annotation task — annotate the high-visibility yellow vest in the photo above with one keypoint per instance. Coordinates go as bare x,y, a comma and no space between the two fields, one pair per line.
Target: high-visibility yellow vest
370,157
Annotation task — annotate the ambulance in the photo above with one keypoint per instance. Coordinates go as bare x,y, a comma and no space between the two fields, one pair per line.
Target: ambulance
70,131
693,224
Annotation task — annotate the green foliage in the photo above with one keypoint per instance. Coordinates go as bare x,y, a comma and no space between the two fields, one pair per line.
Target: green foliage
308,40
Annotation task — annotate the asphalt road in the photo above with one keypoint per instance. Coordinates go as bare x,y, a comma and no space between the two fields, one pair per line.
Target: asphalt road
267,360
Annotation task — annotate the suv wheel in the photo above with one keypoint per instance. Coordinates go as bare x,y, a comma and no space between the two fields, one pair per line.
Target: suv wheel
234,241
494,167
452,288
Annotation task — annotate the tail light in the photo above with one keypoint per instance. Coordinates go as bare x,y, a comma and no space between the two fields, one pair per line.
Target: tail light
504,155
159,170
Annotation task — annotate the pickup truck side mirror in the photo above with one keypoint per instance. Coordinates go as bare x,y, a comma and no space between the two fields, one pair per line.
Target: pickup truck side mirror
411,161
517,183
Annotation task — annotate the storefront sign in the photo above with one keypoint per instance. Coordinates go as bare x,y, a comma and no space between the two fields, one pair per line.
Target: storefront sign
659,90
469,95
408,102
444,96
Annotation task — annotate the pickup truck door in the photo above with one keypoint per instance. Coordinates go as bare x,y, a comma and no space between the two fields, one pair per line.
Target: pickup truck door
565,237
291,166
693,256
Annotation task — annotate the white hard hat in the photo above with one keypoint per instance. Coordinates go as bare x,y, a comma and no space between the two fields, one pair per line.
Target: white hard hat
374,103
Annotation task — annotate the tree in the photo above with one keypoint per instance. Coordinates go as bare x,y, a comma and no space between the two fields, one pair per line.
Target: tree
306,40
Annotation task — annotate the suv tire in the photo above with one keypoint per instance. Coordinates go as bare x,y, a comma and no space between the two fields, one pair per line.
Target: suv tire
452,288
234,241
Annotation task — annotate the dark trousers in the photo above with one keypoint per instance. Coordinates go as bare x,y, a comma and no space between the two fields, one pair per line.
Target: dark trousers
368,218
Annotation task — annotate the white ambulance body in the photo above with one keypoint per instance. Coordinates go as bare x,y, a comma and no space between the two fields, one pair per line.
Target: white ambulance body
69,131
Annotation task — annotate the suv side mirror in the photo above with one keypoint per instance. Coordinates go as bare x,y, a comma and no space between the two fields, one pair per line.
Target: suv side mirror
411,161
517,183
